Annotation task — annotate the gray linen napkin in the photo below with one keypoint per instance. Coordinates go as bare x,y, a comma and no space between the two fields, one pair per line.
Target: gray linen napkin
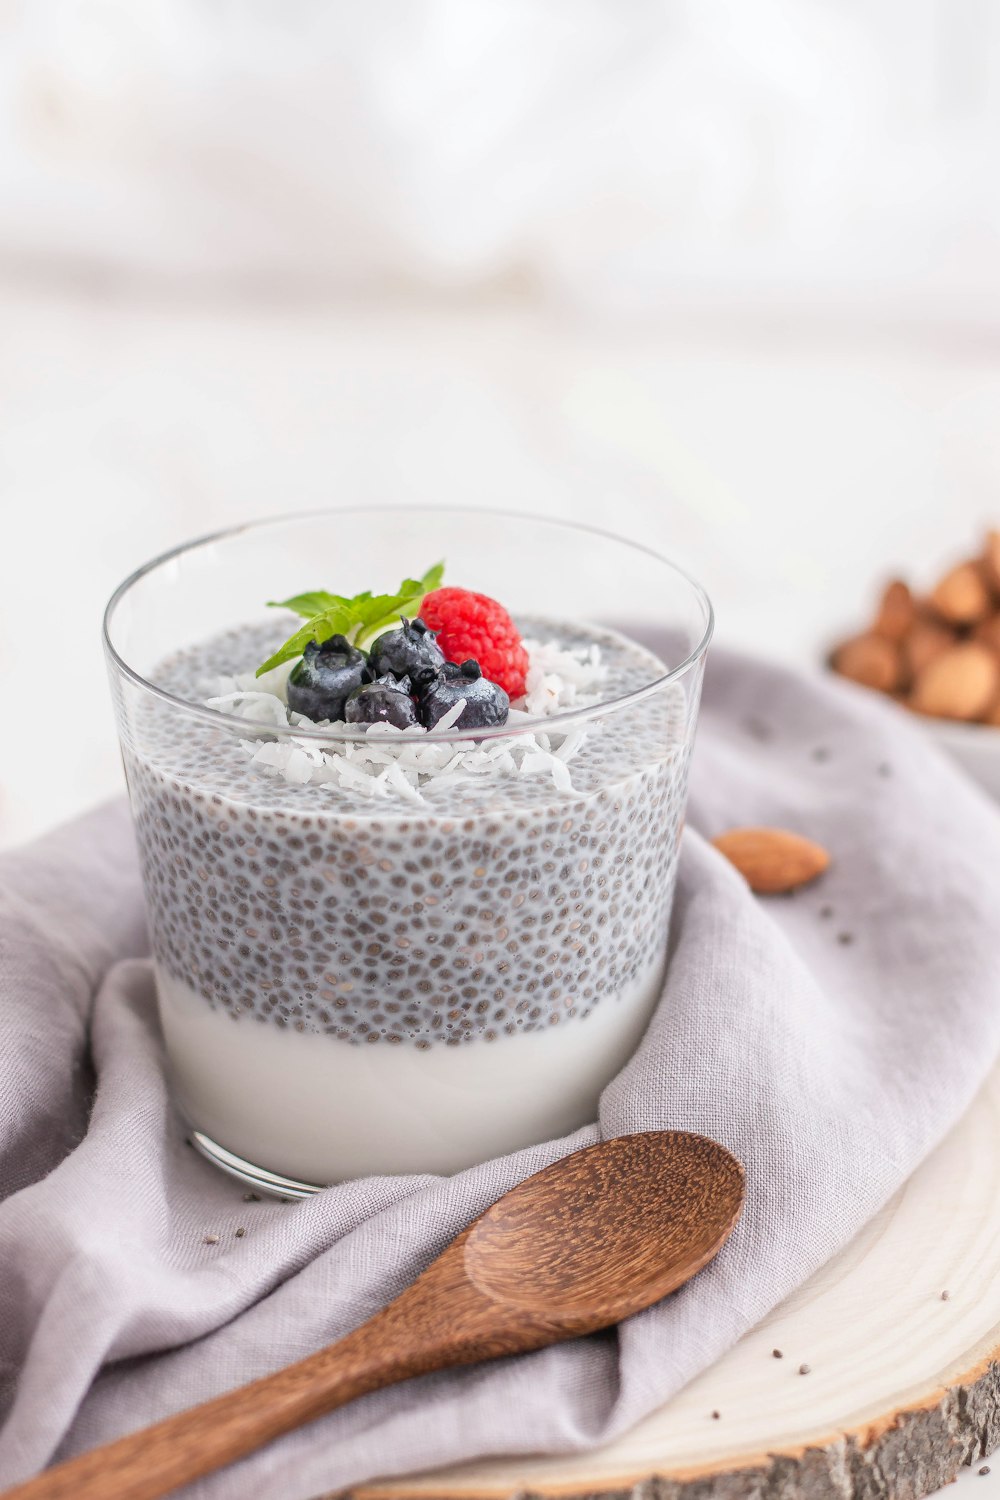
829,1039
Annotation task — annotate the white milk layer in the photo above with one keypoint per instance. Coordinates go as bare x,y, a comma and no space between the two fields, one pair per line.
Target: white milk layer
312,1107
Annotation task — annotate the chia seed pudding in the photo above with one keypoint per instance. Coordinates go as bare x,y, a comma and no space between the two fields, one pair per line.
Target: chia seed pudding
352,984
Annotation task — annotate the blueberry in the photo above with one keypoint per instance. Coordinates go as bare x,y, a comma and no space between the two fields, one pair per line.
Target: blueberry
486,703
385,701
327,673
411,651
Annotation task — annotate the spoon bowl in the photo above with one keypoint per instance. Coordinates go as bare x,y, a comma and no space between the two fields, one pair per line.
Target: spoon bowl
609,1230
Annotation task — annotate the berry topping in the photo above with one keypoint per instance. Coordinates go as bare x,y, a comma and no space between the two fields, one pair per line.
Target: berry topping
328,672
486,703
411,651
384,701
472,625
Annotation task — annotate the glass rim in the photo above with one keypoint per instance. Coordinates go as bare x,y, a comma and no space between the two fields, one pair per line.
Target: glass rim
347,735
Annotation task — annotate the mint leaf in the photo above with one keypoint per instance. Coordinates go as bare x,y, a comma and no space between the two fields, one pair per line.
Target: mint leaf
360,619
308,605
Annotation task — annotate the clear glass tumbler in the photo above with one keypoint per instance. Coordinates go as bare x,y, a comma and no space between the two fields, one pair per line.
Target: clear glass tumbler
357,980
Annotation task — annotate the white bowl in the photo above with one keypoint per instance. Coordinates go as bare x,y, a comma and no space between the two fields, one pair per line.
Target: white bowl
976,747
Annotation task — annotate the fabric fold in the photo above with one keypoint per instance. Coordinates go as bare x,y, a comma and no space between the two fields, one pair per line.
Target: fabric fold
829,1039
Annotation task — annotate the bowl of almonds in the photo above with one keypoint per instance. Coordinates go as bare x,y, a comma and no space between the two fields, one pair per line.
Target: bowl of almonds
938,654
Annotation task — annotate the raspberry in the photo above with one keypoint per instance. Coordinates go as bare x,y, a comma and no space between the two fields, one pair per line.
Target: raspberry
471,625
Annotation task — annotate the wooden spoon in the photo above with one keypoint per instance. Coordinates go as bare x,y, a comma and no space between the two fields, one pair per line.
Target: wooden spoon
592,1239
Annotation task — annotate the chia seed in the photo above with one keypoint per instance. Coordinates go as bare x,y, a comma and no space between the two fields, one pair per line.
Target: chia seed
289,905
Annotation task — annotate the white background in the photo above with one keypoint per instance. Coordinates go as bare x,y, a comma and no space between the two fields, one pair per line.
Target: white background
721,275
789,471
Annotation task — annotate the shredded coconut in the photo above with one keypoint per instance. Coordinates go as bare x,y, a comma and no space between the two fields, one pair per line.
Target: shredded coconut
559,677
390,761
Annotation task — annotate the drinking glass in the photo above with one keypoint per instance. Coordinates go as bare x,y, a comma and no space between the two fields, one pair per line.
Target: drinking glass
352,982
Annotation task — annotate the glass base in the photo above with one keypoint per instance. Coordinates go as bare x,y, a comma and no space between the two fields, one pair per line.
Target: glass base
258,1178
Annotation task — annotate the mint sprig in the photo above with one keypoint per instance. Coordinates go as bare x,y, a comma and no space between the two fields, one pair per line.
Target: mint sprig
360,619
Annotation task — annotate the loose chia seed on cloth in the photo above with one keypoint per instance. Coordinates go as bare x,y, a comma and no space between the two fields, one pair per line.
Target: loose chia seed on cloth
830,1068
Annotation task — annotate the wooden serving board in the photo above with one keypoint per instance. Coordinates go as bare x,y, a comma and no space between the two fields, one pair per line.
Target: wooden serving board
903,1386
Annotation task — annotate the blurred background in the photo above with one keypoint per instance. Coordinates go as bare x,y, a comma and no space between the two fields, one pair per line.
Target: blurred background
723,276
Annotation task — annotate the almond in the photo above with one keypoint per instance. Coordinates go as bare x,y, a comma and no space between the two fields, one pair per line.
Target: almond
962,683
991,560
961,596
988,631
896,611
927,640
772,859
871,660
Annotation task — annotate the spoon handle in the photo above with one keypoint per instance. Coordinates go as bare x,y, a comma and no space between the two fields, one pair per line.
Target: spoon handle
155,1460
593,1238
440,1320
